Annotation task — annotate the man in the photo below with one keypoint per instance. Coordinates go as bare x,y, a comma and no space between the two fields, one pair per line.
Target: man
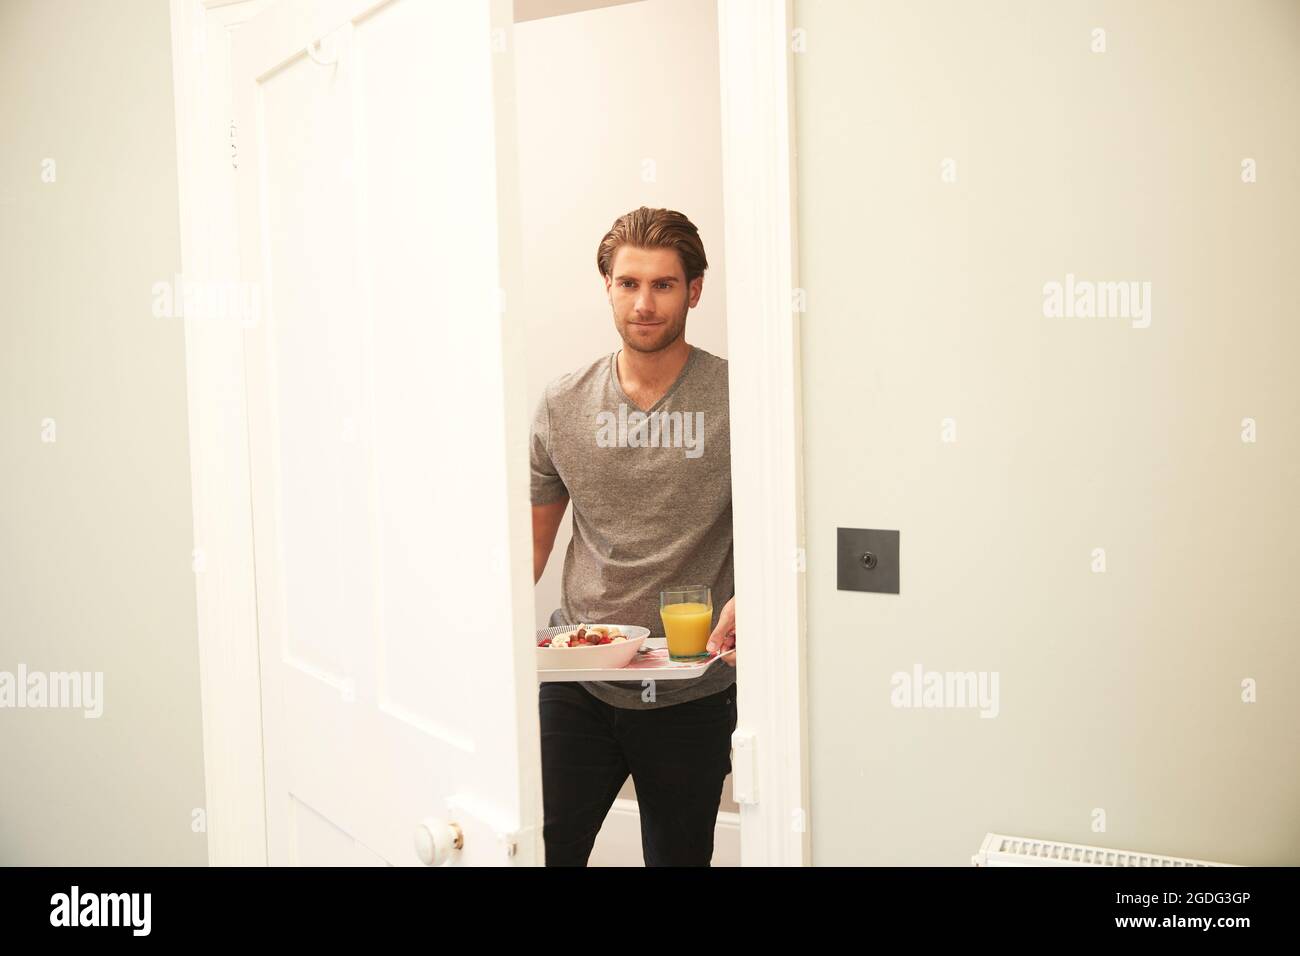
639,440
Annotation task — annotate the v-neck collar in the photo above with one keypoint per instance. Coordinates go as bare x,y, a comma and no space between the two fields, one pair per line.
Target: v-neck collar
618,386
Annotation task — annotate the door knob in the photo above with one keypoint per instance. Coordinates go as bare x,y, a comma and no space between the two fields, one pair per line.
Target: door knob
435,840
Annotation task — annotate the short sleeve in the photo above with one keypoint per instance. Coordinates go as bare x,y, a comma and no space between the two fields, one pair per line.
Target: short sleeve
546,487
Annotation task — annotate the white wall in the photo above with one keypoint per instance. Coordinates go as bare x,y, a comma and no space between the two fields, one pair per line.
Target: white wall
618,108
95,538
1119,691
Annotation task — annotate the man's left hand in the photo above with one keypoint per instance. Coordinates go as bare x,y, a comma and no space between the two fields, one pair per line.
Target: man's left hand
723,638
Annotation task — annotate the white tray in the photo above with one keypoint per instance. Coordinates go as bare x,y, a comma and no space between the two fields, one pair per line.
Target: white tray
653,664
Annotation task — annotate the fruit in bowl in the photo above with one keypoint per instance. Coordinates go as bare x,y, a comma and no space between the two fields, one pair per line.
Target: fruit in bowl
585,635
587,646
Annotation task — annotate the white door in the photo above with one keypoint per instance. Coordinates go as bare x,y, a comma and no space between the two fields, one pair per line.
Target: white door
387,432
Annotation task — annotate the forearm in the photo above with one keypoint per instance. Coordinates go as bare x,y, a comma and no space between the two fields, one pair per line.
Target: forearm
546,522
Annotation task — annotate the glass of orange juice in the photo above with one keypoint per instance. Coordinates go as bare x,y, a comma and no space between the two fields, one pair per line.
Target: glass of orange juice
687,613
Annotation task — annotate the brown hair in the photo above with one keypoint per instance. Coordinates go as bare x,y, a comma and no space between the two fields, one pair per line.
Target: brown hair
654,229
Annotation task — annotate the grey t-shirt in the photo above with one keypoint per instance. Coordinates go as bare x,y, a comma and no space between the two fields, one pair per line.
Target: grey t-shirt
651,500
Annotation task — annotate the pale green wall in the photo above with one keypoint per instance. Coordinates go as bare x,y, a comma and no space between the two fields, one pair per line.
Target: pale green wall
95,528
1119,691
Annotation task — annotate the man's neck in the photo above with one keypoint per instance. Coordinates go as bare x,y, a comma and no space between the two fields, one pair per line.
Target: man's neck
652,371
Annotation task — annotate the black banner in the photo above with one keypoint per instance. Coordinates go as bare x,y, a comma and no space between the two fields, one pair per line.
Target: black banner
976,904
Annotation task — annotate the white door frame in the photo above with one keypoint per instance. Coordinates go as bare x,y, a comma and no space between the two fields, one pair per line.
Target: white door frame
770,766
229,670
770,777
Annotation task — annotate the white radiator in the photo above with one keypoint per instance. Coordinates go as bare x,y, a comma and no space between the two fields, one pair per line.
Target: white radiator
999,849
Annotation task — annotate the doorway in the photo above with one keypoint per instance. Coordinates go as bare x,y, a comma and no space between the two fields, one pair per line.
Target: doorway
650,134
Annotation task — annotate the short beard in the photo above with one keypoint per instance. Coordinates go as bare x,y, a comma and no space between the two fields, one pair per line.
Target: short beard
662,344
656,348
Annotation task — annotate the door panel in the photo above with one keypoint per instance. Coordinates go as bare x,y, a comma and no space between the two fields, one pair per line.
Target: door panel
388,471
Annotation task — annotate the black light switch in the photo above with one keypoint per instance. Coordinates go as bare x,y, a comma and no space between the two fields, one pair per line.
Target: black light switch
867,560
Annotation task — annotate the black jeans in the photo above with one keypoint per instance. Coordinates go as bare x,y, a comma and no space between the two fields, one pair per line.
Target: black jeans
678,757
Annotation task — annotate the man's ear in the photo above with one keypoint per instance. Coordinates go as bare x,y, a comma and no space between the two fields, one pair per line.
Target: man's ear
697,287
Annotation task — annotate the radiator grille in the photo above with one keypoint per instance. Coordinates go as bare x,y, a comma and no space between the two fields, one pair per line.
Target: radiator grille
999,849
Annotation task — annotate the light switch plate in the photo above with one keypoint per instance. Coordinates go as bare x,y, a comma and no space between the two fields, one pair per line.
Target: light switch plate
853,573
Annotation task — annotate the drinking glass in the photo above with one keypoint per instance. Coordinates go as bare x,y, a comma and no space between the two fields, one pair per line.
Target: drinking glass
687,613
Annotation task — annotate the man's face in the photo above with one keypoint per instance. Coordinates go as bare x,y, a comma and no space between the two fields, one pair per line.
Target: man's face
650,297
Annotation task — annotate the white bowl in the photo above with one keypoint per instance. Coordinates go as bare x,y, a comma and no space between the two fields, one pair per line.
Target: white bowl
619,654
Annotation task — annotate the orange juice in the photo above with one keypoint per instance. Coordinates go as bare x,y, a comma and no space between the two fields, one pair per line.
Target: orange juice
687,627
